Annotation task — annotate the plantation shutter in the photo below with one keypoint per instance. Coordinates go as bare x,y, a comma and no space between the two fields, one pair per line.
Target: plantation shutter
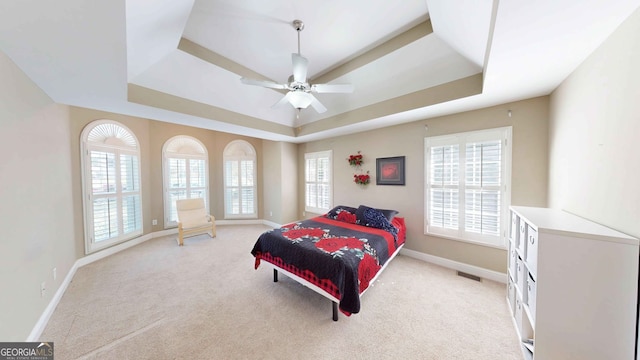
318,181
482,187
177,185
467,185
240,180
443,207
185,170
103,191
130,183
247,193
240,188
111,178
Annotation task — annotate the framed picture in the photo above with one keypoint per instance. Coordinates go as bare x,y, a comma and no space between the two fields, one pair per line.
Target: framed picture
390,171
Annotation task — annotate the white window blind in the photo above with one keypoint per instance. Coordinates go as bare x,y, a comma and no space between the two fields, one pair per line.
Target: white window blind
318,181
240,180
468,185
111,178
185,167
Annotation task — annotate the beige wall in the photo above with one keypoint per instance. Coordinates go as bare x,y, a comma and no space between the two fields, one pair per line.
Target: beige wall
594,130
530,127
280,182
289,182
36,211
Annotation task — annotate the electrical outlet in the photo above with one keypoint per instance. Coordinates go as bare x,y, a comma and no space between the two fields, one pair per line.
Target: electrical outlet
43,289
270,213
154,222
55,274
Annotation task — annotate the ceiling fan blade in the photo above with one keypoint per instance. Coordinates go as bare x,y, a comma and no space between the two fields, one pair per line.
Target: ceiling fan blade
332,88
317,105
300,64
268,84
285,100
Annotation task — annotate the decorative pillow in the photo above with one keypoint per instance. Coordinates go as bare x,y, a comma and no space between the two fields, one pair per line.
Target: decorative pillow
333,213
374,218
346,216
389,214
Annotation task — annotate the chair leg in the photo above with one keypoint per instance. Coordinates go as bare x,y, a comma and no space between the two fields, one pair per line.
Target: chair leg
180,238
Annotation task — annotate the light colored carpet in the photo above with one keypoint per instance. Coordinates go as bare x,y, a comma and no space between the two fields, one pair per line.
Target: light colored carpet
205,301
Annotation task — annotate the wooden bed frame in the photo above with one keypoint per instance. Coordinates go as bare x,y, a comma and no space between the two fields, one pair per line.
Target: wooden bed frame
317,289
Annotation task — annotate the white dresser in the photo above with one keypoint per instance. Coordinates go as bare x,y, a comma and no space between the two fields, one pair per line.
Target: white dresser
572,286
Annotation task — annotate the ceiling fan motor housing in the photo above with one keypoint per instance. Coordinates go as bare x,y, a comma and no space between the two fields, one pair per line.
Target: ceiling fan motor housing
298,25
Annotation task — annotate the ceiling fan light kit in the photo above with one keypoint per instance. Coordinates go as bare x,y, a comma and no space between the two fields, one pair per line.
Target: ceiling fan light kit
299,95
300,99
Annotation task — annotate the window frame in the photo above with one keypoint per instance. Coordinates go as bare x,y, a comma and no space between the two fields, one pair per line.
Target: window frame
504,134
117,147
194,150
238,151
328,154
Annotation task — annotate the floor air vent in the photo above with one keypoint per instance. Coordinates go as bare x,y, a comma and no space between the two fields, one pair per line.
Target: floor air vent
469,276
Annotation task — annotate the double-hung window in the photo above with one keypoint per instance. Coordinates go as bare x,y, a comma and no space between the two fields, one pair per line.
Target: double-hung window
318,181
185,168
240,190
111,185
467,187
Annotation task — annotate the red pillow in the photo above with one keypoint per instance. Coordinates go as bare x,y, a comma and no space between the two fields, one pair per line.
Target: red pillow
346,216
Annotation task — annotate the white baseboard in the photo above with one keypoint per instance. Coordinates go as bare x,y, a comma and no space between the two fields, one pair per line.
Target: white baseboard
48,311
272,224
469,269
240,222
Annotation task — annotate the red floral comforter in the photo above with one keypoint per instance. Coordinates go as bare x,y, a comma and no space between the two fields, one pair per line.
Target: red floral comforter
339,257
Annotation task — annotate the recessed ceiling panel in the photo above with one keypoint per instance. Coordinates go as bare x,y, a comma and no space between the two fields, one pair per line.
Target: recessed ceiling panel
258,34
186,76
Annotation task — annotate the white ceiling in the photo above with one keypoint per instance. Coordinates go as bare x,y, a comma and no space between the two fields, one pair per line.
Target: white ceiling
180,61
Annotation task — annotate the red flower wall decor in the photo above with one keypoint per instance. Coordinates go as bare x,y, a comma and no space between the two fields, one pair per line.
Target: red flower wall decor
361,179
355,160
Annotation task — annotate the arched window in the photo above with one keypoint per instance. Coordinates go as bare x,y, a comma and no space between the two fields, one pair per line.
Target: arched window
185,165
240,194
111,184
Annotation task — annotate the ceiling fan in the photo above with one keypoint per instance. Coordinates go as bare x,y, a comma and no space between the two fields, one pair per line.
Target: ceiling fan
299,95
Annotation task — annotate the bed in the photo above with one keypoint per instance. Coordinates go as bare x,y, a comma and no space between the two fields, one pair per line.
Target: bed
338,254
